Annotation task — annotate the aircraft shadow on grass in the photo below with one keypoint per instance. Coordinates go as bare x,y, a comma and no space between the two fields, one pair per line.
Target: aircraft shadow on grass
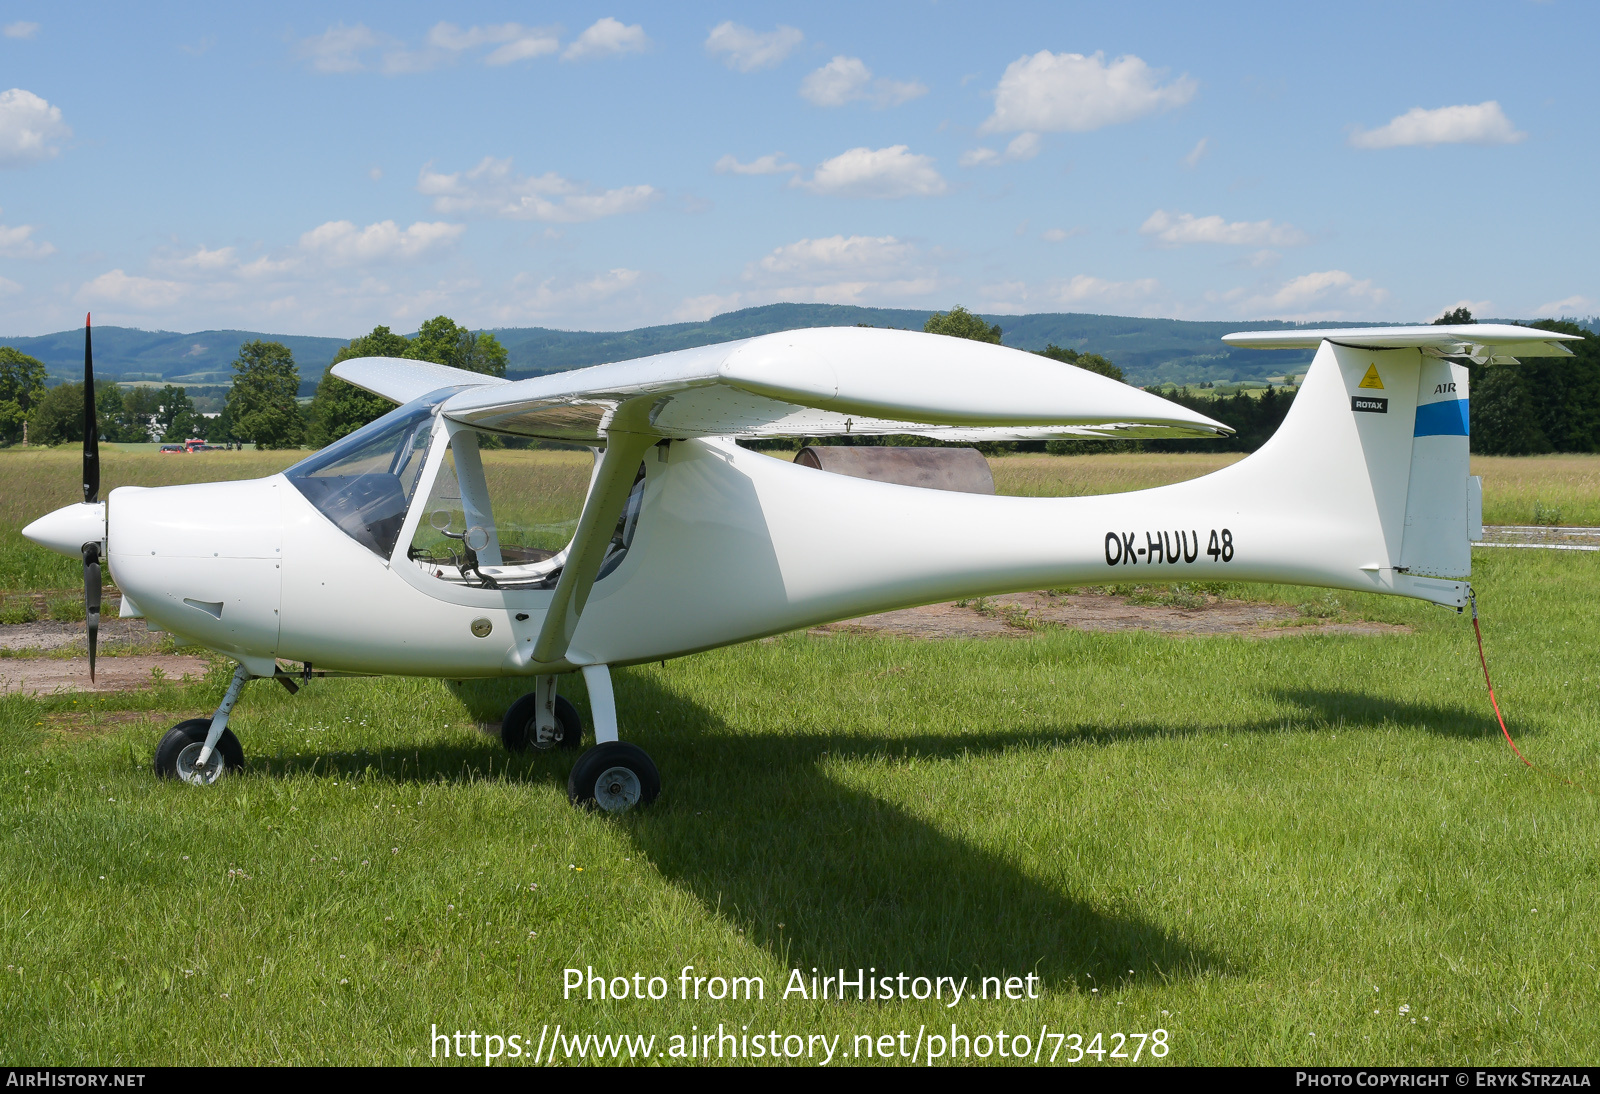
1356,709
828,876
819,873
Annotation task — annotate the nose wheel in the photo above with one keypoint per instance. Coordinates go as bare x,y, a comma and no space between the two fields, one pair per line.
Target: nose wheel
614,776
178,754
520,731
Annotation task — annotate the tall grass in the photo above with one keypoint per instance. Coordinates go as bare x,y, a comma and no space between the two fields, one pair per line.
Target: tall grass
1071,476
1516,489
1540,489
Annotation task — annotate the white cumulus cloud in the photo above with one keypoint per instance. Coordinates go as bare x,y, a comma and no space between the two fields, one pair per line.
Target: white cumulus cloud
1572,305
822,259
848,79
1198,152
493,189
1485,123
339,48
201,260
838,269
1326,294
29,128
893,172
343,48
512,41
131,291
342,243
747,50
1179,229
697,309
1054,92
1024,146
545,298
842,269
21,30
607,37
772,164
1061,235
18,242
1070,292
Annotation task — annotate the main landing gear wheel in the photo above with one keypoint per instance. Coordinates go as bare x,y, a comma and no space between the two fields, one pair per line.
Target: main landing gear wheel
518,732
178,754
615,776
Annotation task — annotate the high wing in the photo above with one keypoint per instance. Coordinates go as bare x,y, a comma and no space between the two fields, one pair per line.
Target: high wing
402,380
816,382
826,381
1496,343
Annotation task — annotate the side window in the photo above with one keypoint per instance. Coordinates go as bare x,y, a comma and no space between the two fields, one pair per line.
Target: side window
503,518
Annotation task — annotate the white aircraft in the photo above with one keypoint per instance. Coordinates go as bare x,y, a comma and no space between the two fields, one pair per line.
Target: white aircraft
388,553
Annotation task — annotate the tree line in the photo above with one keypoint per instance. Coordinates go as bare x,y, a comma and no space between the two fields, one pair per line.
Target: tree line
55,415
1543,405
261,407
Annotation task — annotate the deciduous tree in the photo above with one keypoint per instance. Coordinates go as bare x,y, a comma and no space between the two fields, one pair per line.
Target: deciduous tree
21,388
1091,361
58,416
262,399
339,408
176,416
958,322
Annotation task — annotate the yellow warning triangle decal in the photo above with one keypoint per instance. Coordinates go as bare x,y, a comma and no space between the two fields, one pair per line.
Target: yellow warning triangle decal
1371,378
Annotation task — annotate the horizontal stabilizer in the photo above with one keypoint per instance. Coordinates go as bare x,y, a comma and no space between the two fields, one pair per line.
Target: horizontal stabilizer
402,380
1479,341
830,381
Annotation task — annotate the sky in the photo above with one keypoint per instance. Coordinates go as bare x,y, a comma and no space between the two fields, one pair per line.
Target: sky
323,168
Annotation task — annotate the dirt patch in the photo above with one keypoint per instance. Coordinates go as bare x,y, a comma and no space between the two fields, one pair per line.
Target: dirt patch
49,635
1020,614
93,723
53,675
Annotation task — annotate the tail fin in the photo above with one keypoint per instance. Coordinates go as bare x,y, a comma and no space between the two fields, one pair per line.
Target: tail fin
1368,479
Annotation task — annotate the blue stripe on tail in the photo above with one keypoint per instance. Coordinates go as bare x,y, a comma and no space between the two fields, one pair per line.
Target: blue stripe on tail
1447,419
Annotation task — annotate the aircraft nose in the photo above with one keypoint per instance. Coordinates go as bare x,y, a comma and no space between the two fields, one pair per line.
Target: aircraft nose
67,529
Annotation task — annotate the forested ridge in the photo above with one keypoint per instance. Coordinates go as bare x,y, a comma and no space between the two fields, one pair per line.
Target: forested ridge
1545,404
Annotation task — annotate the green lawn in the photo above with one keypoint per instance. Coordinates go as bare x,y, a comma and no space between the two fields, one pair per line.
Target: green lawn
1266,848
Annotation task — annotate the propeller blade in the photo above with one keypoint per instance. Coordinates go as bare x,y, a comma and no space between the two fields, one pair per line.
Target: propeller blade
91,425
91,598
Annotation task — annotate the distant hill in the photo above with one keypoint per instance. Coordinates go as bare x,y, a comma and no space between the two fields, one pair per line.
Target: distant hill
127,354
1147,350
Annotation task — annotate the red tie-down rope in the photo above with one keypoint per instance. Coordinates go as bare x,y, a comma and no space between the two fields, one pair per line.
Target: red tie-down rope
1484,661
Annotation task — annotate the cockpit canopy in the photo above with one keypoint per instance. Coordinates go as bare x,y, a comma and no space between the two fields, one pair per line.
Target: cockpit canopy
364,481
506,525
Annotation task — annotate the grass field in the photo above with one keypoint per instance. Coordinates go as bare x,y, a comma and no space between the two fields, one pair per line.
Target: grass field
1303,850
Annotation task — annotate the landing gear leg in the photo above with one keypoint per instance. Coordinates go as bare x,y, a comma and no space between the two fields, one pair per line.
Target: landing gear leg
613,775
198,751
602,702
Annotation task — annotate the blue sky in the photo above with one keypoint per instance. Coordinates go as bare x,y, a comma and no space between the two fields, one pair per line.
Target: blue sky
322,168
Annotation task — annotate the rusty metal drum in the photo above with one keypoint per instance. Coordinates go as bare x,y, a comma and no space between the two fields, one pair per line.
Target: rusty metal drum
960,469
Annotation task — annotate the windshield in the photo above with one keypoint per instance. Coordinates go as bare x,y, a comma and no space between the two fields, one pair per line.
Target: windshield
363,482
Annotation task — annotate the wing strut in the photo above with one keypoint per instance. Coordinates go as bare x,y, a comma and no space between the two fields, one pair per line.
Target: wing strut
618,467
